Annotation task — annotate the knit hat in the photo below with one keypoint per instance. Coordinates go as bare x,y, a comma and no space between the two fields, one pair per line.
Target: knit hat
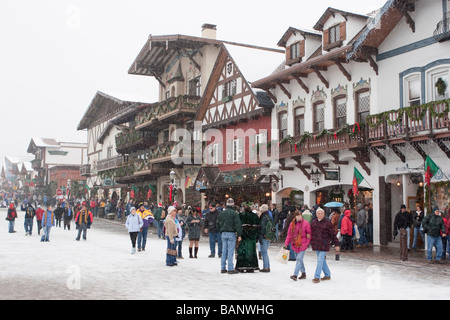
230,202
160,205
132,208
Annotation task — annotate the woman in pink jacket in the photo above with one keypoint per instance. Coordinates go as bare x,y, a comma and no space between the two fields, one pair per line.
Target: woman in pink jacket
347,231
299,237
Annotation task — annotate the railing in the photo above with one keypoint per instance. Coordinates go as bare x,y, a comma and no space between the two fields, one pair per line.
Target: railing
132,139
408,122
85,170
166,108
442,32
111,163
348,137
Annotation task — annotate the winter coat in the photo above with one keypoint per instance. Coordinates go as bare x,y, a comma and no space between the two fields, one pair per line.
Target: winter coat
229,221
307,215
417,218
39,214
194,227
12,214
48,219
158,214
134,223
265,217
29,211
403,220
58,212
447,229
211,221
81,218
322,235
171,228
146,216
433,225
347,224
292,235
361,217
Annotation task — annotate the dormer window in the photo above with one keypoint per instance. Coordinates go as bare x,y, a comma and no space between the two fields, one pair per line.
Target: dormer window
295,52
334,36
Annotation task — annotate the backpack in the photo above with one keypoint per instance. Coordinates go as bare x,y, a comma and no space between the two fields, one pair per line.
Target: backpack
270,232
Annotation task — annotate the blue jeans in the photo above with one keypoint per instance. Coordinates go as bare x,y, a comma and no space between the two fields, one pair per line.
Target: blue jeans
416,233
264,248
45,234
179,248
82,228
229,244
28,224
299,265
322,265
159,228
171,260
434,242
11,226
142,238
213,237
362,236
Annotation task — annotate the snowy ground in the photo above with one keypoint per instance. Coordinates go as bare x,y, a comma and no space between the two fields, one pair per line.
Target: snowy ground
103,268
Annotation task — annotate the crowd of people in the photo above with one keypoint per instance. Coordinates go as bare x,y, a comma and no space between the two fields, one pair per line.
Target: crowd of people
244,232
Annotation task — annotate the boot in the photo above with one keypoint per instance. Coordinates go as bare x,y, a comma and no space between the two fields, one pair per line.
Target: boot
190,252
195,252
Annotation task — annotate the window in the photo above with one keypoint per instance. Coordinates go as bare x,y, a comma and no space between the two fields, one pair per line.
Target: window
109,152
229,89
319,116
215,154
363,105
295,50
195,86
413,90
435,78
235,150
283,125
340,109
299,121
335,34
167,94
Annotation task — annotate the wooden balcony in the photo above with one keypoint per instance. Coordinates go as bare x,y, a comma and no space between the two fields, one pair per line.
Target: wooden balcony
111,163
349,137
135,139
85,170
414,123
173,106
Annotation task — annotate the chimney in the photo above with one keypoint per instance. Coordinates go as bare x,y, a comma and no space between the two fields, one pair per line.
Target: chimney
209,31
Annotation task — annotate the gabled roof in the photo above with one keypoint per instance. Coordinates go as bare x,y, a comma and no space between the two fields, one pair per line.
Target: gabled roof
332,12
291,30
109,104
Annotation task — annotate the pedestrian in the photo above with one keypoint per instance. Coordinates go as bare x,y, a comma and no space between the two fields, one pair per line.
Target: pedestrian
433,226
39,214
447,232
29,216
194,225
48,221
11,217
347,231
147,218
159,215
402,222
134,223
417,217
181,225
229,225
83,221
58,212
299,237
247,258
290,217
322,236
264,238
361,222
171,233
213,231
67,216
276,218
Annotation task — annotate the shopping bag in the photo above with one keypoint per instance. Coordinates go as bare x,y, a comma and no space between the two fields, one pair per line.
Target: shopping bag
283,256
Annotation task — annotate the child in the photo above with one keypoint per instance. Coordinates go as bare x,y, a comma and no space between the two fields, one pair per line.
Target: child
134,223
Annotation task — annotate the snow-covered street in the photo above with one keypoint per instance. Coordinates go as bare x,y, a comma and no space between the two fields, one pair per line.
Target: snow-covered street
103,268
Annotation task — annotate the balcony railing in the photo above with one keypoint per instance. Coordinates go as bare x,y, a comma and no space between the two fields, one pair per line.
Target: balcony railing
348,137
166,109
410,122
132,139
111,163
442,32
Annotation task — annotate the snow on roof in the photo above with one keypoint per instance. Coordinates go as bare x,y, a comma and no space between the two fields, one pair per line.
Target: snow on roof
126,97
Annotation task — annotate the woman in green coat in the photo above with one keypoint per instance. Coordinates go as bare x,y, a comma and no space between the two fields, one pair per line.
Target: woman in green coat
247,259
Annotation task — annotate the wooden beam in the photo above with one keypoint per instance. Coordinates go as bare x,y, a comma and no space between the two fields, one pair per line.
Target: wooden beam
373,64
343,70
302,84
190,56
443,147
303,168
318,164
379,155
362,157
320,76
419,150
335,155
271,95
398,152
288,94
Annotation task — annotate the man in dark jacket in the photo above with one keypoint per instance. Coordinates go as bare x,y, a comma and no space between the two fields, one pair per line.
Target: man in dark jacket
433,226
322,236
213,231
29,216
229,225
403,221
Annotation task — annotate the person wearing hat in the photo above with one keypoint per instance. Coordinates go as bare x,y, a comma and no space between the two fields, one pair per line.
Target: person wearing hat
434,227
402,222
83,221
134,223
159,215
171,232
229,225
147,217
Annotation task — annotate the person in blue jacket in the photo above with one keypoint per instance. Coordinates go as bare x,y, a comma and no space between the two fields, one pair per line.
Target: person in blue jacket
48,221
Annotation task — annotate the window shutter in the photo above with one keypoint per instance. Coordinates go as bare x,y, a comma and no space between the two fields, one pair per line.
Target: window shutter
326,37
288,53
302,49
343,31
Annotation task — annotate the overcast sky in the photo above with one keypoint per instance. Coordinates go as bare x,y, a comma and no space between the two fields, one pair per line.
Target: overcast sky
56,54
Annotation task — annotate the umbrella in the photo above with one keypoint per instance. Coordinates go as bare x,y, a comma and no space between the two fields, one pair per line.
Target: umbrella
333,205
